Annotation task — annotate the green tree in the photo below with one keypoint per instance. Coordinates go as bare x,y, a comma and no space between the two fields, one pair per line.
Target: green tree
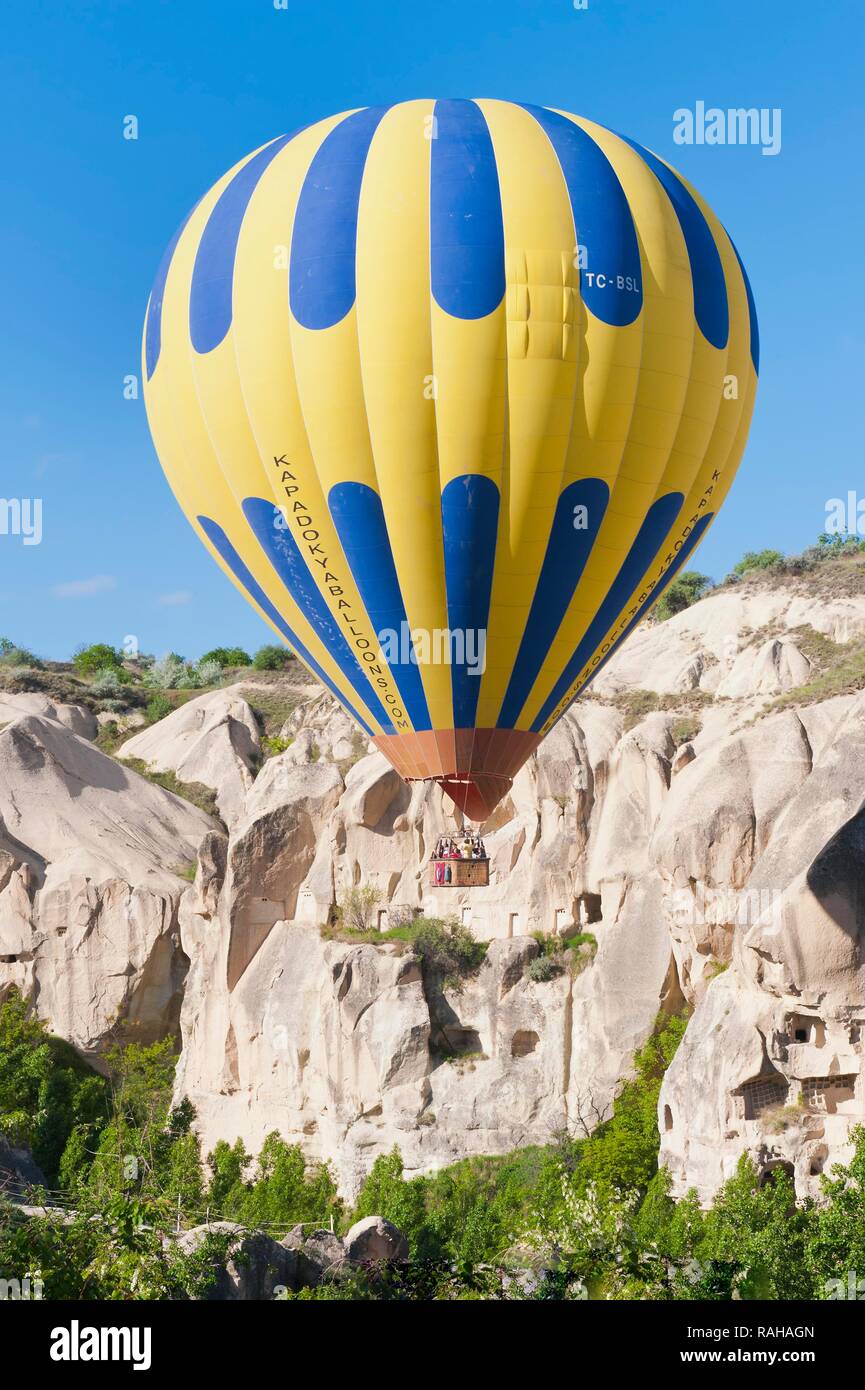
623,1152
147,1149
283,1191
227,1163
386,1192
47,1095
272,658
758,560
757,1230
835,1247
98,657
686,589
13,655
227,656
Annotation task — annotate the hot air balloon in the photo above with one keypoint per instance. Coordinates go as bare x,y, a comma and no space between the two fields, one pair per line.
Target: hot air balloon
451,390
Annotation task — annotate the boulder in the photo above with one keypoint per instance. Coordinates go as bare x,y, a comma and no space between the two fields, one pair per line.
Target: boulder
257,1268
374,1239
18,1171
319,1255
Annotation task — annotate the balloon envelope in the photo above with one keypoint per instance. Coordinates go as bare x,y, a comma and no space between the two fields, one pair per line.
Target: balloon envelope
451,390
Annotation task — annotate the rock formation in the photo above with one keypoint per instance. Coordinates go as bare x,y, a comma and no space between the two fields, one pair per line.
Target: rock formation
92,858
772,1061
212,739
709,840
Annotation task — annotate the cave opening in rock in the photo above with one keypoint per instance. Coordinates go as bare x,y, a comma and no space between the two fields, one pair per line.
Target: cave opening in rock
462,1040
523,1042
763,1094
589,908
769,1175
828,1093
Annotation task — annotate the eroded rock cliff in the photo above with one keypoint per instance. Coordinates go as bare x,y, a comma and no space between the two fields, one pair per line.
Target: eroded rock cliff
705,832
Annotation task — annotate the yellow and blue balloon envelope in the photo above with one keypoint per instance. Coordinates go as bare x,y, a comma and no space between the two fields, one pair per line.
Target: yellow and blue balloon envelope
451,390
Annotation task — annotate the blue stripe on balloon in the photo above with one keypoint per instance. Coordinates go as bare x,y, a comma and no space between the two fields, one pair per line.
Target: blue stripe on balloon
226,551
689,544
322,283
602,221
470,519
568,549
467,240
271,531
707,273
649,539
752,311
359,519
153,330
211,291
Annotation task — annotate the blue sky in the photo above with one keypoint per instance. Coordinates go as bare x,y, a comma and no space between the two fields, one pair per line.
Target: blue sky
87,215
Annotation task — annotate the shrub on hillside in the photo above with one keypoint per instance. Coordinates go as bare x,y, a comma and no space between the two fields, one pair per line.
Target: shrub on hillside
754,560
173,672
831,544
685,590
169,672
11,655
98,657
107,682
447,948
356,907
544,968
272,658
227,656
157,709
207,672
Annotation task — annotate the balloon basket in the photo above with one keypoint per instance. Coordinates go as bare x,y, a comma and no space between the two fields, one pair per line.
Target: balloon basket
459,873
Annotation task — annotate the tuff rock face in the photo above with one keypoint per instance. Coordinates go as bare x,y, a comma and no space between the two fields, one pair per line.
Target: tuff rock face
712,847
74,717
772,1060
346,1048
91,858
213,739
